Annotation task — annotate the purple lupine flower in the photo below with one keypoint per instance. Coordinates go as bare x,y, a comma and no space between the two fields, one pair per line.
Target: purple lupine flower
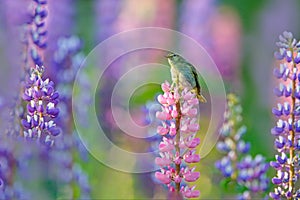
60,24
11,163
82,179
7,165
42,100
287,127
153,138
38,92
12,14
252,173
148,180
40,119
107,14
64,168
179,126
67,59
237,164
217,30
202,12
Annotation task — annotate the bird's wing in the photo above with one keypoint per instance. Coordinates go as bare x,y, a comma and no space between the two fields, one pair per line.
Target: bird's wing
194,71
188,71
197,84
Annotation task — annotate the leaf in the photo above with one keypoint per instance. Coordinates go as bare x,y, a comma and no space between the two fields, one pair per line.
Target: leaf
225,183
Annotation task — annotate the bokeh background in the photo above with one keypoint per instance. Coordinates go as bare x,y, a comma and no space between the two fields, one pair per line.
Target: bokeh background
239,35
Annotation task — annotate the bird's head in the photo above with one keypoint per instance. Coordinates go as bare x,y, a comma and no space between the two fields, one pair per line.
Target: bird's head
173,57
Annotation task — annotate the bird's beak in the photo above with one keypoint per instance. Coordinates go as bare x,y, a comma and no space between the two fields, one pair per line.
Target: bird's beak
167,56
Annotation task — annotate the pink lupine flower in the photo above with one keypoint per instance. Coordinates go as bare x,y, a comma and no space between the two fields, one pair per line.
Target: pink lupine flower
162,130
166,145
162,161
190,175
193,143
190,192
163,115
191,157
178,127
164,178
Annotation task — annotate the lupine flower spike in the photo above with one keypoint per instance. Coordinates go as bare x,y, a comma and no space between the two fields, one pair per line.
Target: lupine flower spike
179,126
67,59
237,166
287,129
37,31
41,108
39,92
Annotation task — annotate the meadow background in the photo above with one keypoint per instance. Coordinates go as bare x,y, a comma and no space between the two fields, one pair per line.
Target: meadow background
239,35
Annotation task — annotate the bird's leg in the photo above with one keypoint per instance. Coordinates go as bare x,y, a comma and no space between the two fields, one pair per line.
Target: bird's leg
175,82
180,88
172,85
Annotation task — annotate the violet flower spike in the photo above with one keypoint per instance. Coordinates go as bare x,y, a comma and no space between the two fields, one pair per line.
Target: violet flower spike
237,165
179,126
42,99
11,166
67,59
35,34
6,170
287,126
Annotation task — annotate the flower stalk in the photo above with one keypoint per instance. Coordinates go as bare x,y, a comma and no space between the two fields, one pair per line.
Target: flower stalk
177,148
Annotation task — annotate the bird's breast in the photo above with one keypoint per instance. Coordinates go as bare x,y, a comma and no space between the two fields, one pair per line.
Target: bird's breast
174,74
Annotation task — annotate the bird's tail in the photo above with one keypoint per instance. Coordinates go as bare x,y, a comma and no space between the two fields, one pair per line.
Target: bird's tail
199,95
201,98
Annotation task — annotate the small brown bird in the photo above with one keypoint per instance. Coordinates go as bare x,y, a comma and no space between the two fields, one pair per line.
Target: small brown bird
184,74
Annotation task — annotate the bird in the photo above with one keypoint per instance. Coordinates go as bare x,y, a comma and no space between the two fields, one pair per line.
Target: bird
184,74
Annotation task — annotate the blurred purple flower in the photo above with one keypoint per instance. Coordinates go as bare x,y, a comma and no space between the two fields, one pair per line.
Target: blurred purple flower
107,13
12,14
27,19
7,166
36,33
60,24
65,170
259,42
38,92
11,163
252,173
195,18
216,30
67,58
237,164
